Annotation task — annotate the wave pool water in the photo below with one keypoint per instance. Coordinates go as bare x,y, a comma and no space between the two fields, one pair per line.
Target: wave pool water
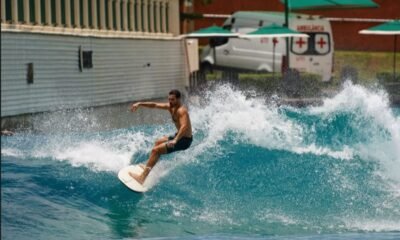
255,170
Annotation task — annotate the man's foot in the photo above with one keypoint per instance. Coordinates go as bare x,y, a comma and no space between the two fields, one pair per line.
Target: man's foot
138,178
142,166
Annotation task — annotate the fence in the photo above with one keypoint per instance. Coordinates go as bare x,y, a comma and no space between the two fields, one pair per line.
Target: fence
150,16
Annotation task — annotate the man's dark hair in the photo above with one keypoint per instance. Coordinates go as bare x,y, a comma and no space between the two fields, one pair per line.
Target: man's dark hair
175,92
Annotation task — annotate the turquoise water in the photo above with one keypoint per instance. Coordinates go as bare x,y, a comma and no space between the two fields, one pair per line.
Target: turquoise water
255,170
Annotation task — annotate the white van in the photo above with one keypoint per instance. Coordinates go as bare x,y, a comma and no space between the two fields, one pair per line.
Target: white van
312,55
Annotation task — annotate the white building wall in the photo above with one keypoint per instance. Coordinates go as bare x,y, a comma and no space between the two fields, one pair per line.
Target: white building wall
123,70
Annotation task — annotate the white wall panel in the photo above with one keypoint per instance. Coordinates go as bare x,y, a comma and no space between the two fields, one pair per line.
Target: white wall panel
119,74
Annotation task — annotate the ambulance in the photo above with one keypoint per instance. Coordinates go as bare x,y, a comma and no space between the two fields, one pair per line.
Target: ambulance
312,55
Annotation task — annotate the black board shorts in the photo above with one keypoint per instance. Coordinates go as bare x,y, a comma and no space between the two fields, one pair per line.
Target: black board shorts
183,144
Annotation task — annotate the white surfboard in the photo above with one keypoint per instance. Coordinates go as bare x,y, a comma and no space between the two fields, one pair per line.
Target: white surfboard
130,182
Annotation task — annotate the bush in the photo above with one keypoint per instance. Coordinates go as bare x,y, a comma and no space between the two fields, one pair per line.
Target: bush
349,73
386,77
263,83
291,84
310,85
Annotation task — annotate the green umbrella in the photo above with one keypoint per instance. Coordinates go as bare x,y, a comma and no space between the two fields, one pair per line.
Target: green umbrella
316,4
389,28
213,31
273,31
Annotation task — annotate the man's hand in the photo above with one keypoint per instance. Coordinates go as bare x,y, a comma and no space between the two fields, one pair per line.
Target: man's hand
134,107
171,143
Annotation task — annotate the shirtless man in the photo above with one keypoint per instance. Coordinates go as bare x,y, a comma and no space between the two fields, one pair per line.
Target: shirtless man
181,140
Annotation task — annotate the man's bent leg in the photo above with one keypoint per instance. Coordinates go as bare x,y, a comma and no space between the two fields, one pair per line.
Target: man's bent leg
161,140
156,152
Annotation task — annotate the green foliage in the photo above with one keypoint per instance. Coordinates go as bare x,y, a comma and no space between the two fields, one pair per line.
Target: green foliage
391,85
305,85
367,64
387,77
261,82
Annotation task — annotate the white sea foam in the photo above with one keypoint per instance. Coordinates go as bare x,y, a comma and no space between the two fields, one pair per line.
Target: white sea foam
224,111
230,111
96,154
12,152
258,123
215,216
372,225
374,117
273,216
346,153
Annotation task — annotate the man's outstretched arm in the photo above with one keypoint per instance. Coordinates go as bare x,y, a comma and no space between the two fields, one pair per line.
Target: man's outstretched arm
135,106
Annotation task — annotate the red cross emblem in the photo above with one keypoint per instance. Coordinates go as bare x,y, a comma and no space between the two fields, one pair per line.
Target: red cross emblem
321,42
300,42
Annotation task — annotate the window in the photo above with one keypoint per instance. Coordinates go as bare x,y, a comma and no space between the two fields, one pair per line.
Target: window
142,15
322,43
85,59
29,73
135,12
149,27
155,16
53,12
90,15
229,25
161,17
167,17
315,44
299,45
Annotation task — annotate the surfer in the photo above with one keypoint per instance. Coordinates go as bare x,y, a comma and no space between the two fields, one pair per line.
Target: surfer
181,140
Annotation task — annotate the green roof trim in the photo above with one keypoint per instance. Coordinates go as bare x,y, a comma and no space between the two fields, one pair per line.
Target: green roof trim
316,4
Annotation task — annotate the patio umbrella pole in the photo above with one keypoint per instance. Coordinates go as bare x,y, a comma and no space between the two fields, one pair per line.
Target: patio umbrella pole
394,58
287,25
215,56
273,60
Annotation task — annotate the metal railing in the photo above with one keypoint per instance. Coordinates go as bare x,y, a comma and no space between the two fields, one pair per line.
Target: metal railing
149,16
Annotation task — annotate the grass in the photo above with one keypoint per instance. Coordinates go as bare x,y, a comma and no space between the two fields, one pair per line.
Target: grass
370,67
367,64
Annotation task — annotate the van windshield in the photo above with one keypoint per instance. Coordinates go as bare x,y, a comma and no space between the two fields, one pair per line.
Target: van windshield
318,43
